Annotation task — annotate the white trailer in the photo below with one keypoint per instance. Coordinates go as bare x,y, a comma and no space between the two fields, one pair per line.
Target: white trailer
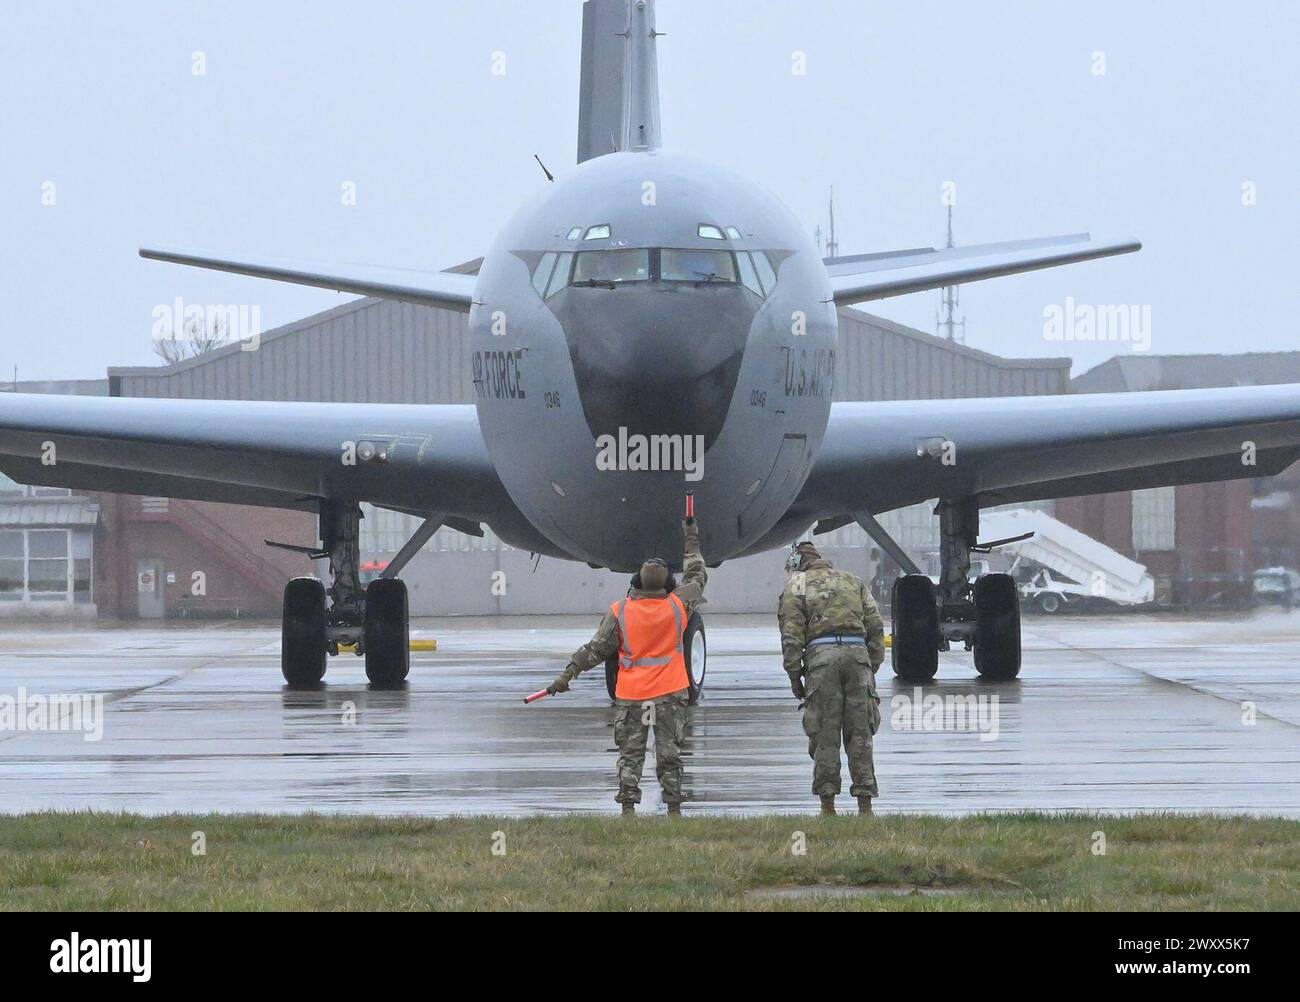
1060,565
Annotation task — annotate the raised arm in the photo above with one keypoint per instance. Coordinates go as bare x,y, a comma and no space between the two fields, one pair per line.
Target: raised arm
694,574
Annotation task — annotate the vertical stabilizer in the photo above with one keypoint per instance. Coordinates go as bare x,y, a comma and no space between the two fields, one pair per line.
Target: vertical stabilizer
640,79
600,98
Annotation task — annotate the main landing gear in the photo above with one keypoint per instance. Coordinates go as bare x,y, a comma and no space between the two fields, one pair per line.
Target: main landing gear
983,616
374,620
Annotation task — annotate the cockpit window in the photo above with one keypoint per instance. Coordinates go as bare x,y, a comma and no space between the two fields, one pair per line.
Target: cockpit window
600,232
748,276
765,271
561,276
710,232
542,276
734,233
697,266
574,233
612,267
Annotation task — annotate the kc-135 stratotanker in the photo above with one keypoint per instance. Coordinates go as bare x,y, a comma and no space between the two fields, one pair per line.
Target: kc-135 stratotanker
650,324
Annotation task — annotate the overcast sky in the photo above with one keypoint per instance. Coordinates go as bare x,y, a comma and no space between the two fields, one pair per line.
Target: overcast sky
1001,98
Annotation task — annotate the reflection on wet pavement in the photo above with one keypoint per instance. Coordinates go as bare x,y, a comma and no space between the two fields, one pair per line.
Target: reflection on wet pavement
1116,714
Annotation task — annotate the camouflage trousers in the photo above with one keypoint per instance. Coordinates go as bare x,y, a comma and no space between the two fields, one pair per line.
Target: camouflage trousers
633,722
841,702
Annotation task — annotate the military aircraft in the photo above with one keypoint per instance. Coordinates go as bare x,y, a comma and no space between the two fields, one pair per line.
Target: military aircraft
649,325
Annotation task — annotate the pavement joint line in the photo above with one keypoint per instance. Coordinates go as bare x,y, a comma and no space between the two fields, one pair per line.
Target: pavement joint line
117,695
1172,682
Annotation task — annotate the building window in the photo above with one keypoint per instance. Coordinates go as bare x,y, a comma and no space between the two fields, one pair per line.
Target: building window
44,565
1155,519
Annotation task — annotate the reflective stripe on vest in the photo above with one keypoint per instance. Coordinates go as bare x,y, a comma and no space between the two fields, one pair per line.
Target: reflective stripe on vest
651,658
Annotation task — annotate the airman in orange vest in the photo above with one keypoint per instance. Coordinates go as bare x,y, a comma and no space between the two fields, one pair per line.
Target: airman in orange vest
647,631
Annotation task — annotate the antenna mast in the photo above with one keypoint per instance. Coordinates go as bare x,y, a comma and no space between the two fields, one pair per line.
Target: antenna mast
948,304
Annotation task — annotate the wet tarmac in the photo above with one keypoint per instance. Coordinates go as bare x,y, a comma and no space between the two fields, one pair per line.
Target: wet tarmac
1122,713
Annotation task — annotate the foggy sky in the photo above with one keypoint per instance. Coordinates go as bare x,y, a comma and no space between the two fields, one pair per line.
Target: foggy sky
999,97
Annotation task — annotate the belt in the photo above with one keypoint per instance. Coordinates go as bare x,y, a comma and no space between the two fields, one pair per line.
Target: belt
838,640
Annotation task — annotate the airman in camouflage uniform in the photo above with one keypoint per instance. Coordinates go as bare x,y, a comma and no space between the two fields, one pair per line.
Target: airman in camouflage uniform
832,643
666,714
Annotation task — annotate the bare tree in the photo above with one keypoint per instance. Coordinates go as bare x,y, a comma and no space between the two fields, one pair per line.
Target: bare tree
194,341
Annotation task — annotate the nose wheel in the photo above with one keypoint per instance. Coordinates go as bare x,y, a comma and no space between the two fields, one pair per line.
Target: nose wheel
695,647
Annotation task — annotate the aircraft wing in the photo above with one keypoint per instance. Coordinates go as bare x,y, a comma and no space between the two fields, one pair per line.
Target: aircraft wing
277,454
864,277
878,456
449,290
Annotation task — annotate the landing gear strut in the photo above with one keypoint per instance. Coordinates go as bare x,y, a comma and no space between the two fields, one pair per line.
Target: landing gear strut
374,620
983,617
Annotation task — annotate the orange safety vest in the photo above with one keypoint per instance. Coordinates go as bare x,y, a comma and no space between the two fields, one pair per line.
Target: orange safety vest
651,661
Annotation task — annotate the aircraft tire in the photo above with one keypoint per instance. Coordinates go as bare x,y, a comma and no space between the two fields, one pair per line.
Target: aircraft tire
914,618
997,627
302,633
611,674
387,632
695,647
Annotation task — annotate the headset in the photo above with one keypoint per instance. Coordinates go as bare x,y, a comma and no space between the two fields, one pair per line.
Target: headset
670,586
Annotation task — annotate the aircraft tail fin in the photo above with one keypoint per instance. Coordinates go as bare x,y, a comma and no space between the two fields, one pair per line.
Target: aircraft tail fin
619,94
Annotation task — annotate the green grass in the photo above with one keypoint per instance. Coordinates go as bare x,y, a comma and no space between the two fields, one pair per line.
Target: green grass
1152,862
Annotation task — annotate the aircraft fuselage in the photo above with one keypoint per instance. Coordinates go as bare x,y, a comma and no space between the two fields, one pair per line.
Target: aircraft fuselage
652,325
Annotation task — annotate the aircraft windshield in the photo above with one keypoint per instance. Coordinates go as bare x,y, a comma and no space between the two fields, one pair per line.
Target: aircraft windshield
612,267
697,266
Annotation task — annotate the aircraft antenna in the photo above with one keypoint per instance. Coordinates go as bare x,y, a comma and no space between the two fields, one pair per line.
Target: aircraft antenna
832,245
948,324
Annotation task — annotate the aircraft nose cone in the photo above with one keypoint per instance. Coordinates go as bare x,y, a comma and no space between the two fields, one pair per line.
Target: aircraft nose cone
656,361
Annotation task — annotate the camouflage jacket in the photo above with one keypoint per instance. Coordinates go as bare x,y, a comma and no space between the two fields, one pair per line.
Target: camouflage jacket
819,601
606,640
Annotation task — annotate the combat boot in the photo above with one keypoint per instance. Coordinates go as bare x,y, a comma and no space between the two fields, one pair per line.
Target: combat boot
864,805
629,810
674,810
828,807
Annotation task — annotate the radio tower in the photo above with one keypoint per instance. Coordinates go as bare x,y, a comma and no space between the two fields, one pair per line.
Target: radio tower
830,244
948,305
